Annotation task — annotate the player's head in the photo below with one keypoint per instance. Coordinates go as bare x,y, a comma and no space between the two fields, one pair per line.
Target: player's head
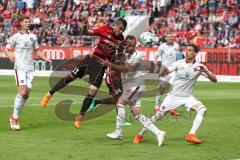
119,26
191,51
130,42
169,38
25,22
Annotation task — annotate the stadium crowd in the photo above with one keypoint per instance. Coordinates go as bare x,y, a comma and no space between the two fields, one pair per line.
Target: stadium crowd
207,23
57,22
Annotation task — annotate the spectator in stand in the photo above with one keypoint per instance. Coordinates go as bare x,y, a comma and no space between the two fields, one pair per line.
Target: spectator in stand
200,40
215,18
233,20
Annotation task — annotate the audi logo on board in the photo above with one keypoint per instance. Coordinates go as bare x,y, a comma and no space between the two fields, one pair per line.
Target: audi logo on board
54,53
41,65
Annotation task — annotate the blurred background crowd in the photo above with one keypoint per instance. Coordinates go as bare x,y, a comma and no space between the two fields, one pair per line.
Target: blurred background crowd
207,23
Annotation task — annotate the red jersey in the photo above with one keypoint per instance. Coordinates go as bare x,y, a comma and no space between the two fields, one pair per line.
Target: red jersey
108,43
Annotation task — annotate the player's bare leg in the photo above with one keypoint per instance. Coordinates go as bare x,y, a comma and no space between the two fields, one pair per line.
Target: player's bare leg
192,137
86,104
20,100
59,85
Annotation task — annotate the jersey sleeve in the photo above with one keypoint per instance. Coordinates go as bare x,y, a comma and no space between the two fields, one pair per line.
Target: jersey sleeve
137,60
35,43
173,67
11,42
99,31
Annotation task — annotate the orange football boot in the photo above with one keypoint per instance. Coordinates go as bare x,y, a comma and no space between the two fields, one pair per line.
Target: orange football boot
155,109
193,138
77,121
174,112
45,100
137,139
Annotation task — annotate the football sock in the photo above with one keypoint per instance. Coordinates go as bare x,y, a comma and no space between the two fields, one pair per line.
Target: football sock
61,84
154,119
95,102
158,100
147,123
121,114
86,104
198,120
18,105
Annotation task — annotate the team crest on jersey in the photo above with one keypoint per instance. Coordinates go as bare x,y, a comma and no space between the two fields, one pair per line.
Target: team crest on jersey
31,39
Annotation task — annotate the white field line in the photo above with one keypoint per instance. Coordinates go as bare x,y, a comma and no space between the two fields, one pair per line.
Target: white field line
149,98
80,101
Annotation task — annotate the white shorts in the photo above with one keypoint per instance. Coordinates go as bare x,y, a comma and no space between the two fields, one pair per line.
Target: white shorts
132,95
24,77
167,79
172,102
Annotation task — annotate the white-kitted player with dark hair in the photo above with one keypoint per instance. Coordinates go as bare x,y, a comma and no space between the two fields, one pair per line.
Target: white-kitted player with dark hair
133,87
187,72
24,42
168,52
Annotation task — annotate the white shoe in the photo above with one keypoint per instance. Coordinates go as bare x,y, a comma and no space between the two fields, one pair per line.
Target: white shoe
160,137
115,135
14,124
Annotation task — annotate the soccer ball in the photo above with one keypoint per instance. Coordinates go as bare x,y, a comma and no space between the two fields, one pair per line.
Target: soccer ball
146,38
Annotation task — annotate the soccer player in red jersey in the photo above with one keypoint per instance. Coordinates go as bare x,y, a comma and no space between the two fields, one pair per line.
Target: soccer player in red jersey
110,41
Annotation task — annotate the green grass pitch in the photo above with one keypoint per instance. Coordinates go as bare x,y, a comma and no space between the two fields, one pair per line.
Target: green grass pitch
44,136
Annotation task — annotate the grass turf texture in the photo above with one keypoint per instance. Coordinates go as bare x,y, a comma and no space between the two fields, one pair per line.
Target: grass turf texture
44,136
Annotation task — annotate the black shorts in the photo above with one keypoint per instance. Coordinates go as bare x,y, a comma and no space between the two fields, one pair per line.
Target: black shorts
114,86
90,66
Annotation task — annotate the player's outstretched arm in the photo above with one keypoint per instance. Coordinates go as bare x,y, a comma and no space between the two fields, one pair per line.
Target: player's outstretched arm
164,71
120,68
42,56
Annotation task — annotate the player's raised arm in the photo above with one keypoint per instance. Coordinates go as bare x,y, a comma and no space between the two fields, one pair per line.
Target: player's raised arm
86,30
212,77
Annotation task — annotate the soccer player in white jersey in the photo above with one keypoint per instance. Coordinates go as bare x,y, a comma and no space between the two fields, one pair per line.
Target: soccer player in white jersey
187,72
24,43
168,52
133,86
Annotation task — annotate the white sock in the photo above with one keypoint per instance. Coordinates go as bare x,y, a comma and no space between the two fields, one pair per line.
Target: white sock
18,104
147,123
198,120
120,117
158,100
153,119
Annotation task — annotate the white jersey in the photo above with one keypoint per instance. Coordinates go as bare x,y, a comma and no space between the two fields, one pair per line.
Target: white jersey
168,53
133,78
24,45
185,77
